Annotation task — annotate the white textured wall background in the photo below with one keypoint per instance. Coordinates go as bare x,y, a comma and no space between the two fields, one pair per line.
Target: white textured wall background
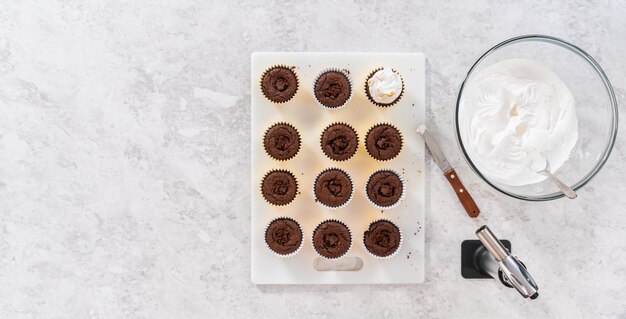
124,160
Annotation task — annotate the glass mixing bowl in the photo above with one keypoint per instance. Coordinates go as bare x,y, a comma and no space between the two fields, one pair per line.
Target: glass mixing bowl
596,108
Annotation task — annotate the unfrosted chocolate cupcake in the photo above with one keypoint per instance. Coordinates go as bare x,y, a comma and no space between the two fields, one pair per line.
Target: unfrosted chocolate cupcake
333,188
279,187
279,83
339,141
333,88
384,188
281,141
382,239
283,236
383,142
332,239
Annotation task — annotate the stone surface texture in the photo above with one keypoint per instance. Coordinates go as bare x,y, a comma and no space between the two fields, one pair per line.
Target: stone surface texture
125,160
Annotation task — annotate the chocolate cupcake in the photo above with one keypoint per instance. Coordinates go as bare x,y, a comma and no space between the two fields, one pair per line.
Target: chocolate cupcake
333,88
384,189
384,87
333,188
383,142
332,239
339,141
279,83
283,236
382,239
279,187
281,141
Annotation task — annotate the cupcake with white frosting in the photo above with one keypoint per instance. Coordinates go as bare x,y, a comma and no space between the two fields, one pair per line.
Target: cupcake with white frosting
384,87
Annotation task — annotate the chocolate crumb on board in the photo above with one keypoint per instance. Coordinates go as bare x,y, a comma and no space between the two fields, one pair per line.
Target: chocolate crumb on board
419,228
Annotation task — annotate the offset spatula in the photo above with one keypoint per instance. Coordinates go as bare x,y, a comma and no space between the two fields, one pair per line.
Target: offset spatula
466,199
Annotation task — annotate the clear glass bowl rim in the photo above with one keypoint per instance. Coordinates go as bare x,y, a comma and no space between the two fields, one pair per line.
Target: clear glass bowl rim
607,86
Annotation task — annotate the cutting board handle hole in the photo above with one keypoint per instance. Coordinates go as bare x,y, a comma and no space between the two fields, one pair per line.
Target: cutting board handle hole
343,264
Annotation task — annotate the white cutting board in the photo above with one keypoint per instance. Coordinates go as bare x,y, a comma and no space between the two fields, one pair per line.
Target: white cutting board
310,119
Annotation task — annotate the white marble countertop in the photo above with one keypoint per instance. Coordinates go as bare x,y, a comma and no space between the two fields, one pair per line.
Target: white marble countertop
124,160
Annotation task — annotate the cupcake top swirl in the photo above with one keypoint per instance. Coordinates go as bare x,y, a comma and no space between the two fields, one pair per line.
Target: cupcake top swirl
382,238
279,187
332,89
281,141
332,239
339,141
383,142
279,84
333,188
283,236
384,188
385,86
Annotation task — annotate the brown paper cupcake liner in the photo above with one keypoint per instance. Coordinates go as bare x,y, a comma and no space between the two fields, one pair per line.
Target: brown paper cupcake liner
283,171
399,199
322,142
313,238
292,68
351,189
369,96
279,254
342,71
399,244
297,133
375,126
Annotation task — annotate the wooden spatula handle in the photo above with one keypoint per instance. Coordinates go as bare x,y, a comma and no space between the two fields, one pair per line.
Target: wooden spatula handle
466,199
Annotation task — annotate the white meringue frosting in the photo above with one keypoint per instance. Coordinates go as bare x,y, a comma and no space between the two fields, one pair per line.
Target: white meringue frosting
513,113
385,86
